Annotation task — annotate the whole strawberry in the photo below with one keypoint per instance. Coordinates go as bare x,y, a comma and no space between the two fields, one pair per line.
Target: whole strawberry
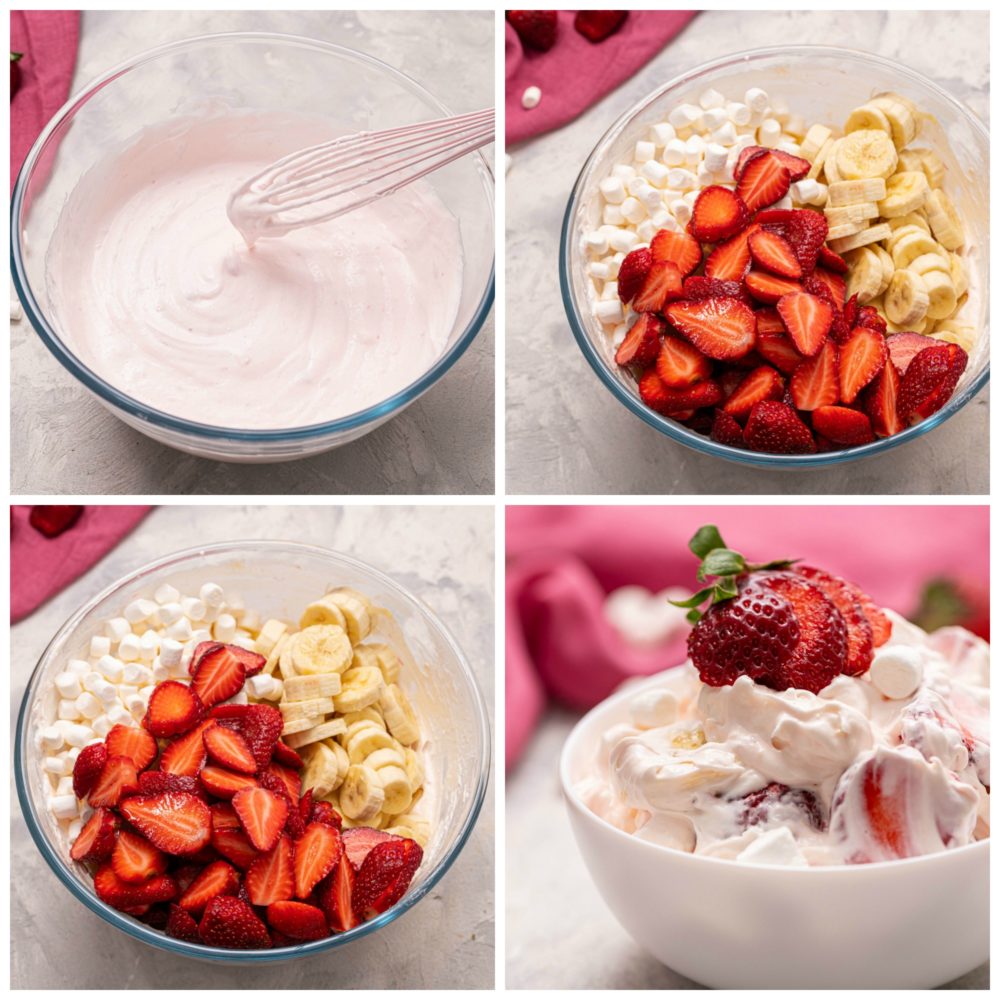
15,72
537,29
596,25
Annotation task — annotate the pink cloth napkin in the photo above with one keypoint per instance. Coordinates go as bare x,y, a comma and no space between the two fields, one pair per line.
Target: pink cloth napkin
563,561
575,72
40,567
48,40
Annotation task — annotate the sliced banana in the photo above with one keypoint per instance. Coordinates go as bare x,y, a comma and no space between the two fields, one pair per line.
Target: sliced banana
908,245
888,265
357,611
362,687
813,141
321,772
293,726
270,633
343,761
324,731
415,822
865,276
400,718
388,661
361,743
941,294
845,229
387,757
274,657
868,153
291,711
930,262
819,162
901,115
917,219
308,686
323,612
922,326
396,789
285,665
414,768
933,167
847,214
361,795
906,299
944,220
860,192
953,332
321,649
408,832
369,714
873,234
867,117
959,274
905,192
830,171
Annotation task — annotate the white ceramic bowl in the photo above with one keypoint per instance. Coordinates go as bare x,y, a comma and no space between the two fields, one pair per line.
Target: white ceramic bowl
916,923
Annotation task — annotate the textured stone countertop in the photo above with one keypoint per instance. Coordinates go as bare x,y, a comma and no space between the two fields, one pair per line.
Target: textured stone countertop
442,554
64,441
566,433
548,886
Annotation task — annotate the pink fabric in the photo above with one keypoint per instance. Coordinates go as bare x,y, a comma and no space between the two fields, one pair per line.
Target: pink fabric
576,73
40,567
48,40
562,561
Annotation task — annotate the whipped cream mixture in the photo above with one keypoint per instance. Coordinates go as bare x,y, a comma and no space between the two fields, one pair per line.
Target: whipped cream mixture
156,291
789,777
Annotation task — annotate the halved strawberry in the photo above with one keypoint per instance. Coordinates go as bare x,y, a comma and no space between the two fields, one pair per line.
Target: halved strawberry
175,822
775,220
231,923
289,779
117,779
826,285
126,895
831,261
131,741
218,879
174,708
797,166
663,284
775,427
336,896
96,840
680,249
155,782
317,852
262,815
777,349
186,755
842,424
642,342
814,382
659,397
135,859
726,430
181,925
234,846
719,328
717,215
228,749
930,380
774,254
537,29
768,321
299,921
219,675
88,767
700,287
252,662
260,726
904,347
762,383
632,272
870,317
271,876
806,231
769,288
284,754
765,180
862,357
730,261
385,876
359,840
225,784
323,812
881,399
679,364
807,319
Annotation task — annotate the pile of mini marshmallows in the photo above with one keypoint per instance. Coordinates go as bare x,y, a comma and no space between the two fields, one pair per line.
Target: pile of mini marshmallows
697,146
152,641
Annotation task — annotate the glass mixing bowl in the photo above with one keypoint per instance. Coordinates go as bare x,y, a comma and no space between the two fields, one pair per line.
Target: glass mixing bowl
823,85
278,579
267,72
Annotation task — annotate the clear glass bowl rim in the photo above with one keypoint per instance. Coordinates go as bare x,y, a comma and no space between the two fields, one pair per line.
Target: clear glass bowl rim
140,931
107,392
677,431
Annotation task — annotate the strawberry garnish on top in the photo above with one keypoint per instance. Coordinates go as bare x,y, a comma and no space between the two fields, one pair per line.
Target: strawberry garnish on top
763,181
717,215
679,249
537,29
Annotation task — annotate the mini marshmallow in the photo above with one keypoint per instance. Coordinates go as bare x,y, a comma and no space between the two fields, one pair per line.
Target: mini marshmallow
169,613
166,594
674,152
705,176
118,715
795,125
612,215
240,698
161,672
136,705
681,211
656,174
664,220
769,132
530,98
653,709
633,210
201,635
724,135
194,608
74,829
88,706
711,120
92,681
80,667
128,648
149,645
711,99
64,806
102,725
614,263
756,99
613,189
598,269
691,197
645,231
68,684
106,693
743,141
637,185
180,630
78,735
682,180
65,785
261,685
684,116
788,145
212,595
662,133
737,113
809,191
100,645
596,242
623,240
623,172
56,766
644,150
609,311
775,847
67,710
618,334
51,738
784,203
715,157
139,611
111,667
897,671
138,675
117,628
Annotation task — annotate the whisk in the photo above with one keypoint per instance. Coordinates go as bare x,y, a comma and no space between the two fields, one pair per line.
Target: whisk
321,182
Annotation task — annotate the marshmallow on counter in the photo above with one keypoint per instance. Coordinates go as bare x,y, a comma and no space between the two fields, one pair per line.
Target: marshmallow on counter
530,98
166,594
756,99
685,116
117,628
609,311
897,671
662,133
139,611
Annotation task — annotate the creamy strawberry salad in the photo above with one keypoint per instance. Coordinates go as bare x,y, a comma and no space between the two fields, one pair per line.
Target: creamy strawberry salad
808,728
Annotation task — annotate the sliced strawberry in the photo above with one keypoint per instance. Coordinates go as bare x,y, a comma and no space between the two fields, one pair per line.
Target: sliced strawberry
930,380
261,727
850,312
807,319
775,427
806,231
632,272
595,26
284,754
88,767
174,708
765,180
359,840
299,921
843,425
182,925
659,397
124,895
717,215
726,430
862,357
231,923
96,840
777,349
774,254
769,288
336,896
904,347
881,400
768,321
680,249
230,712
680,365
663,284
186,755
218,879
845,598
761,383
719,328
262,814
869,316
135,859
776,220
831,261
229,749
175,822
271,876
225,784
385,876
234,846
642,342
323,812
156,782
253,663
117,779
796,166
699,287
131,741
289,779
839,330
826,284
317,852
814,382
730,261
219,675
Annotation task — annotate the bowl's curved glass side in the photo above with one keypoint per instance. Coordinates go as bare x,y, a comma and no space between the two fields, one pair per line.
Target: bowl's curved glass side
440,684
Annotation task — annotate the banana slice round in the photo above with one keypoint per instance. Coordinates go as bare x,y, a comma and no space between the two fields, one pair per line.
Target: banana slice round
820,160
324,731
907,245
830,171
387,660
905,193
865,276
917,219
274,657
861,192
944,220
400,718
268,637
370,714
867,117
408,832
941,294
293,726
888,265
357,611
309,686
959,274
323,612
933,167
900,114
873,234
321,772
292,711
906,299
362,687
361,794
813,141
847,214
953,332
396,790
321,649
414,768
343,761
845,229
361,743
867,153
386,757
930,262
